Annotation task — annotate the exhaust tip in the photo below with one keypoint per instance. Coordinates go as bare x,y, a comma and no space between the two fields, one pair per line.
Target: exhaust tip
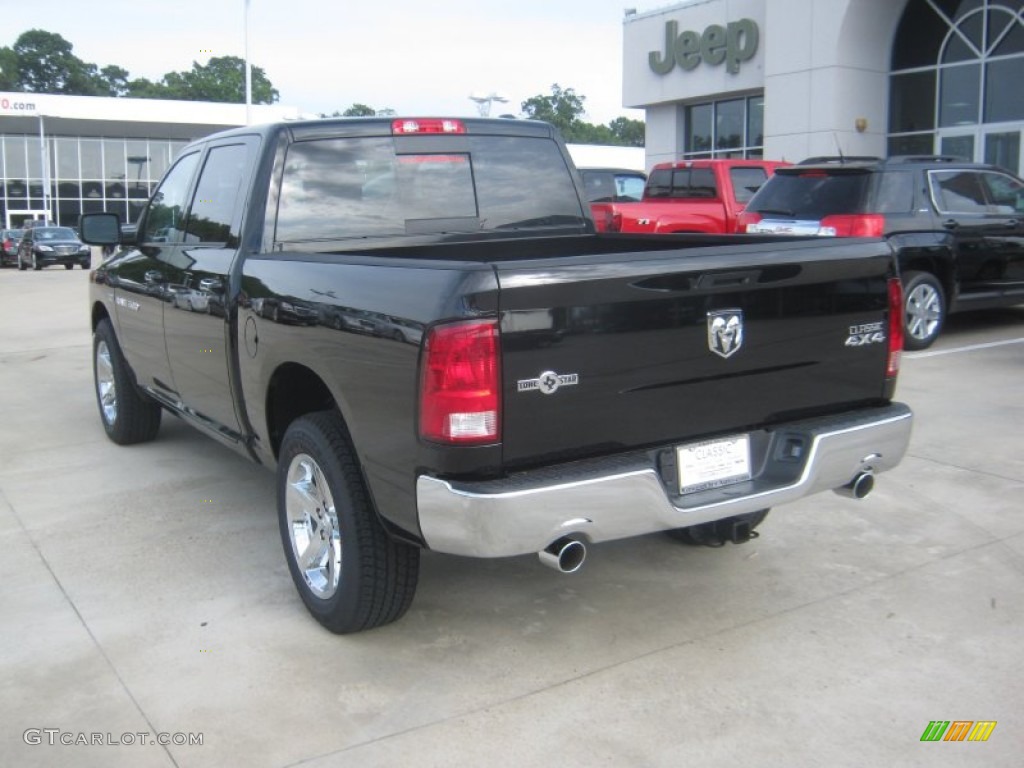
859,487
565,555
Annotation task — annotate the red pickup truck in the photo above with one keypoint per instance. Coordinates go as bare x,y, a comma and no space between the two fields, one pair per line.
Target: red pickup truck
703,196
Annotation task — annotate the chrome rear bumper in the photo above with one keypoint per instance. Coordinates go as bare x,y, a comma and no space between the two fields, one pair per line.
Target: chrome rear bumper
625,496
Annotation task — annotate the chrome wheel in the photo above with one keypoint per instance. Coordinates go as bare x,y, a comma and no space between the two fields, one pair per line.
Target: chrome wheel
924,311
312,523
106,387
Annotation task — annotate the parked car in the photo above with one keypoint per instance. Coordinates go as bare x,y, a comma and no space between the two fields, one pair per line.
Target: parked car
9,241
695,196
956,226
43,246
612,185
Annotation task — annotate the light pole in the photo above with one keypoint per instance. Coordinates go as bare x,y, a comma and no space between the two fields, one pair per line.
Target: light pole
483,103
248,69
45,168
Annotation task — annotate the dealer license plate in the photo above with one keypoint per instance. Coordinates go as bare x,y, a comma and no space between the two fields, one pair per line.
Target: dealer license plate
713,464
777,227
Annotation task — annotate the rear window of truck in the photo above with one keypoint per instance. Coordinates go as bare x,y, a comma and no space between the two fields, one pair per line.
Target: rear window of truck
360,187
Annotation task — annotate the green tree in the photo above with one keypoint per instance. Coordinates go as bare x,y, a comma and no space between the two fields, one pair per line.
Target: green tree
222,79
141,88
114,80
9,78
630,133
359,110
562,108
46,64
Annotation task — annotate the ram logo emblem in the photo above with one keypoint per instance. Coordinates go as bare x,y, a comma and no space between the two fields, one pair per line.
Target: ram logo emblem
725,331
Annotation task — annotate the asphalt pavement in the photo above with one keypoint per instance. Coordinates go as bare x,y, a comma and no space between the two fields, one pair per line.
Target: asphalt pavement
147,617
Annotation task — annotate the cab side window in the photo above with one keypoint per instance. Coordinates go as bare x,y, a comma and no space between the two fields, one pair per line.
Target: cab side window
214,216
165,215
1005,192
958,192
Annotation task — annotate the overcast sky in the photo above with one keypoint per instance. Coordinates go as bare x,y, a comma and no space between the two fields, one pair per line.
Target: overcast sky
415,56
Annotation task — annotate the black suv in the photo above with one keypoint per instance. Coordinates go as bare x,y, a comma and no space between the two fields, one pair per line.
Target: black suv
957,227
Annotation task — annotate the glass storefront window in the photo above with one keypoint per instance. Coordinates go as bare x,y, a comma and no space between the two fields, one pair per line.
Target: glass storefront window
698,122
92,159
67,159
755,121
962,61
1003,104
919,37
912,102
733,128
14,157
91,173
137,155
1003,150
918,144
958,95
729,124
113,160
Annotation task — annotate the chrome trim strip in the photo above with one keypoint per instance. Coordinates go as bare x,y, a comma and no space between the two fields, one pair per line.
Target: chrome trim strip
463,519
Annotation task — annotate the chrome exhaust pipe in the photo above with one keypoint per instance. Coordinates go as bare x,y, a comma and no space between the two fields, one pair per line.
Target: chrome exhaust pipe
859,487
564,554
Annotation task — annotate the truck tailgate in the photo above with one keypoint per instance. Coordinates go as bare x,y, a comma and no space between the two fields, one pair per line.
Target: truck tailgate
613,352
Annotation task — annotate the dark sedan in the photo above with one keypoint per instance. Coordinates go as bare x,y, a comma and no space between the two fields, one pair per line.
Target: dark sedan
9,240
43,246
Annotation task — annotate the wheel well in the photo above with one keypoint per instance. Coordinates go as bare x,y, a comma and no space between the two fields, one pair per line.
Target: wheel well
293,392
922,262
99,312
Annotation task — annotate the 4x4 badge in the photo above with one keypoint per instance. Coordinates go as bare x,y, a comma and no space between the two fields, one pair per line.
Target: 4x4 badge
725,331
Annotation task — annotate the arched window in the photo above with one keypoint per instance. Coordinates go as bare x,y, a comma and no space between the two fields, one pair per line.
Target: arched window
955,86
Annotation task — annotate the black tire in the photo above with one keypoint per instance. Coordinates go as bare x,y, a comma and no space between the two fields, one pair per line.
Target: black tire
716,533
365,579
924,309
69,266
128,416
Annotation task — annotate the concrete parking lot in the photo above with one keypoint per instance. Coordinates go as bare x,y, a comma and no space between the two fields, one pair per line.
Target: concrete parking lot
145,598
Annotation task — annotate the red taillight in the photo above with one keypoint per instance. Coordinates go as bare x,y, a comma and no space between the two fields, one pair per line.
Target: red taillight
853,225
745,219
460,383
895,327
428,125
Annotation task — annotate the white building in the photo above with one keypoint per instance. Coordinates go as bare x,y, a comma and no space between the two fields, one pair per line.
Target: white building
788,79
70,155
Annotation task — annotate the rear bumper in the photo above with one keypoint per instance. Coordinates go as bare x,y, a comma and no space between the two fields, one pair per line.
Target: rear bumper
630,495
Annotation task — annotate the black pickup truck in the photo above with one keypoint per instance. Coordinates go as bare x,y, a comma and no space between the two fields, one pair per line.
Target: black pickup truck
415,324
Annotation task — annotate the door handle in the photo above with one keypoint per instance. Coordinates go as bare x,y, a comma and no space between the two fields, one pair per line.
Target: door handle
951,223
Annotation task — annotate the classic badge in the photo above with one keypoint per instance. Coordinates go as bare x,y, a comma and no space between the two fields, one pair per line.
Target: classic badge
725,331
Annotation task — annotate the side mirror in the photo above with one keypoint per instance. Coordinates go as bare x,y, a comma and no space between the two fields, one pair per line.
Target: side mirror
100,228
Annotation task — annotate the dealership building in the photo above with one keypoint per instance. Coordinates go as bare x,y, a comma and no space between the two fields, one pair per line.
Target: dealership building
791,79
68,155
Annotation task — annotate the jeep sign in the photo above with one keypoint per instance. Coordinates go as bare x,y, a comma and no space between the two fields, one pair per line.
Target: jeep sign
734,43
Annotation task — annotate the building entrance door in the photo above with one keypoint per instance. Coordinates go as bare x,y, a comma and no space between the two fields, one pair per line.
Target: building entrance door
17,219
